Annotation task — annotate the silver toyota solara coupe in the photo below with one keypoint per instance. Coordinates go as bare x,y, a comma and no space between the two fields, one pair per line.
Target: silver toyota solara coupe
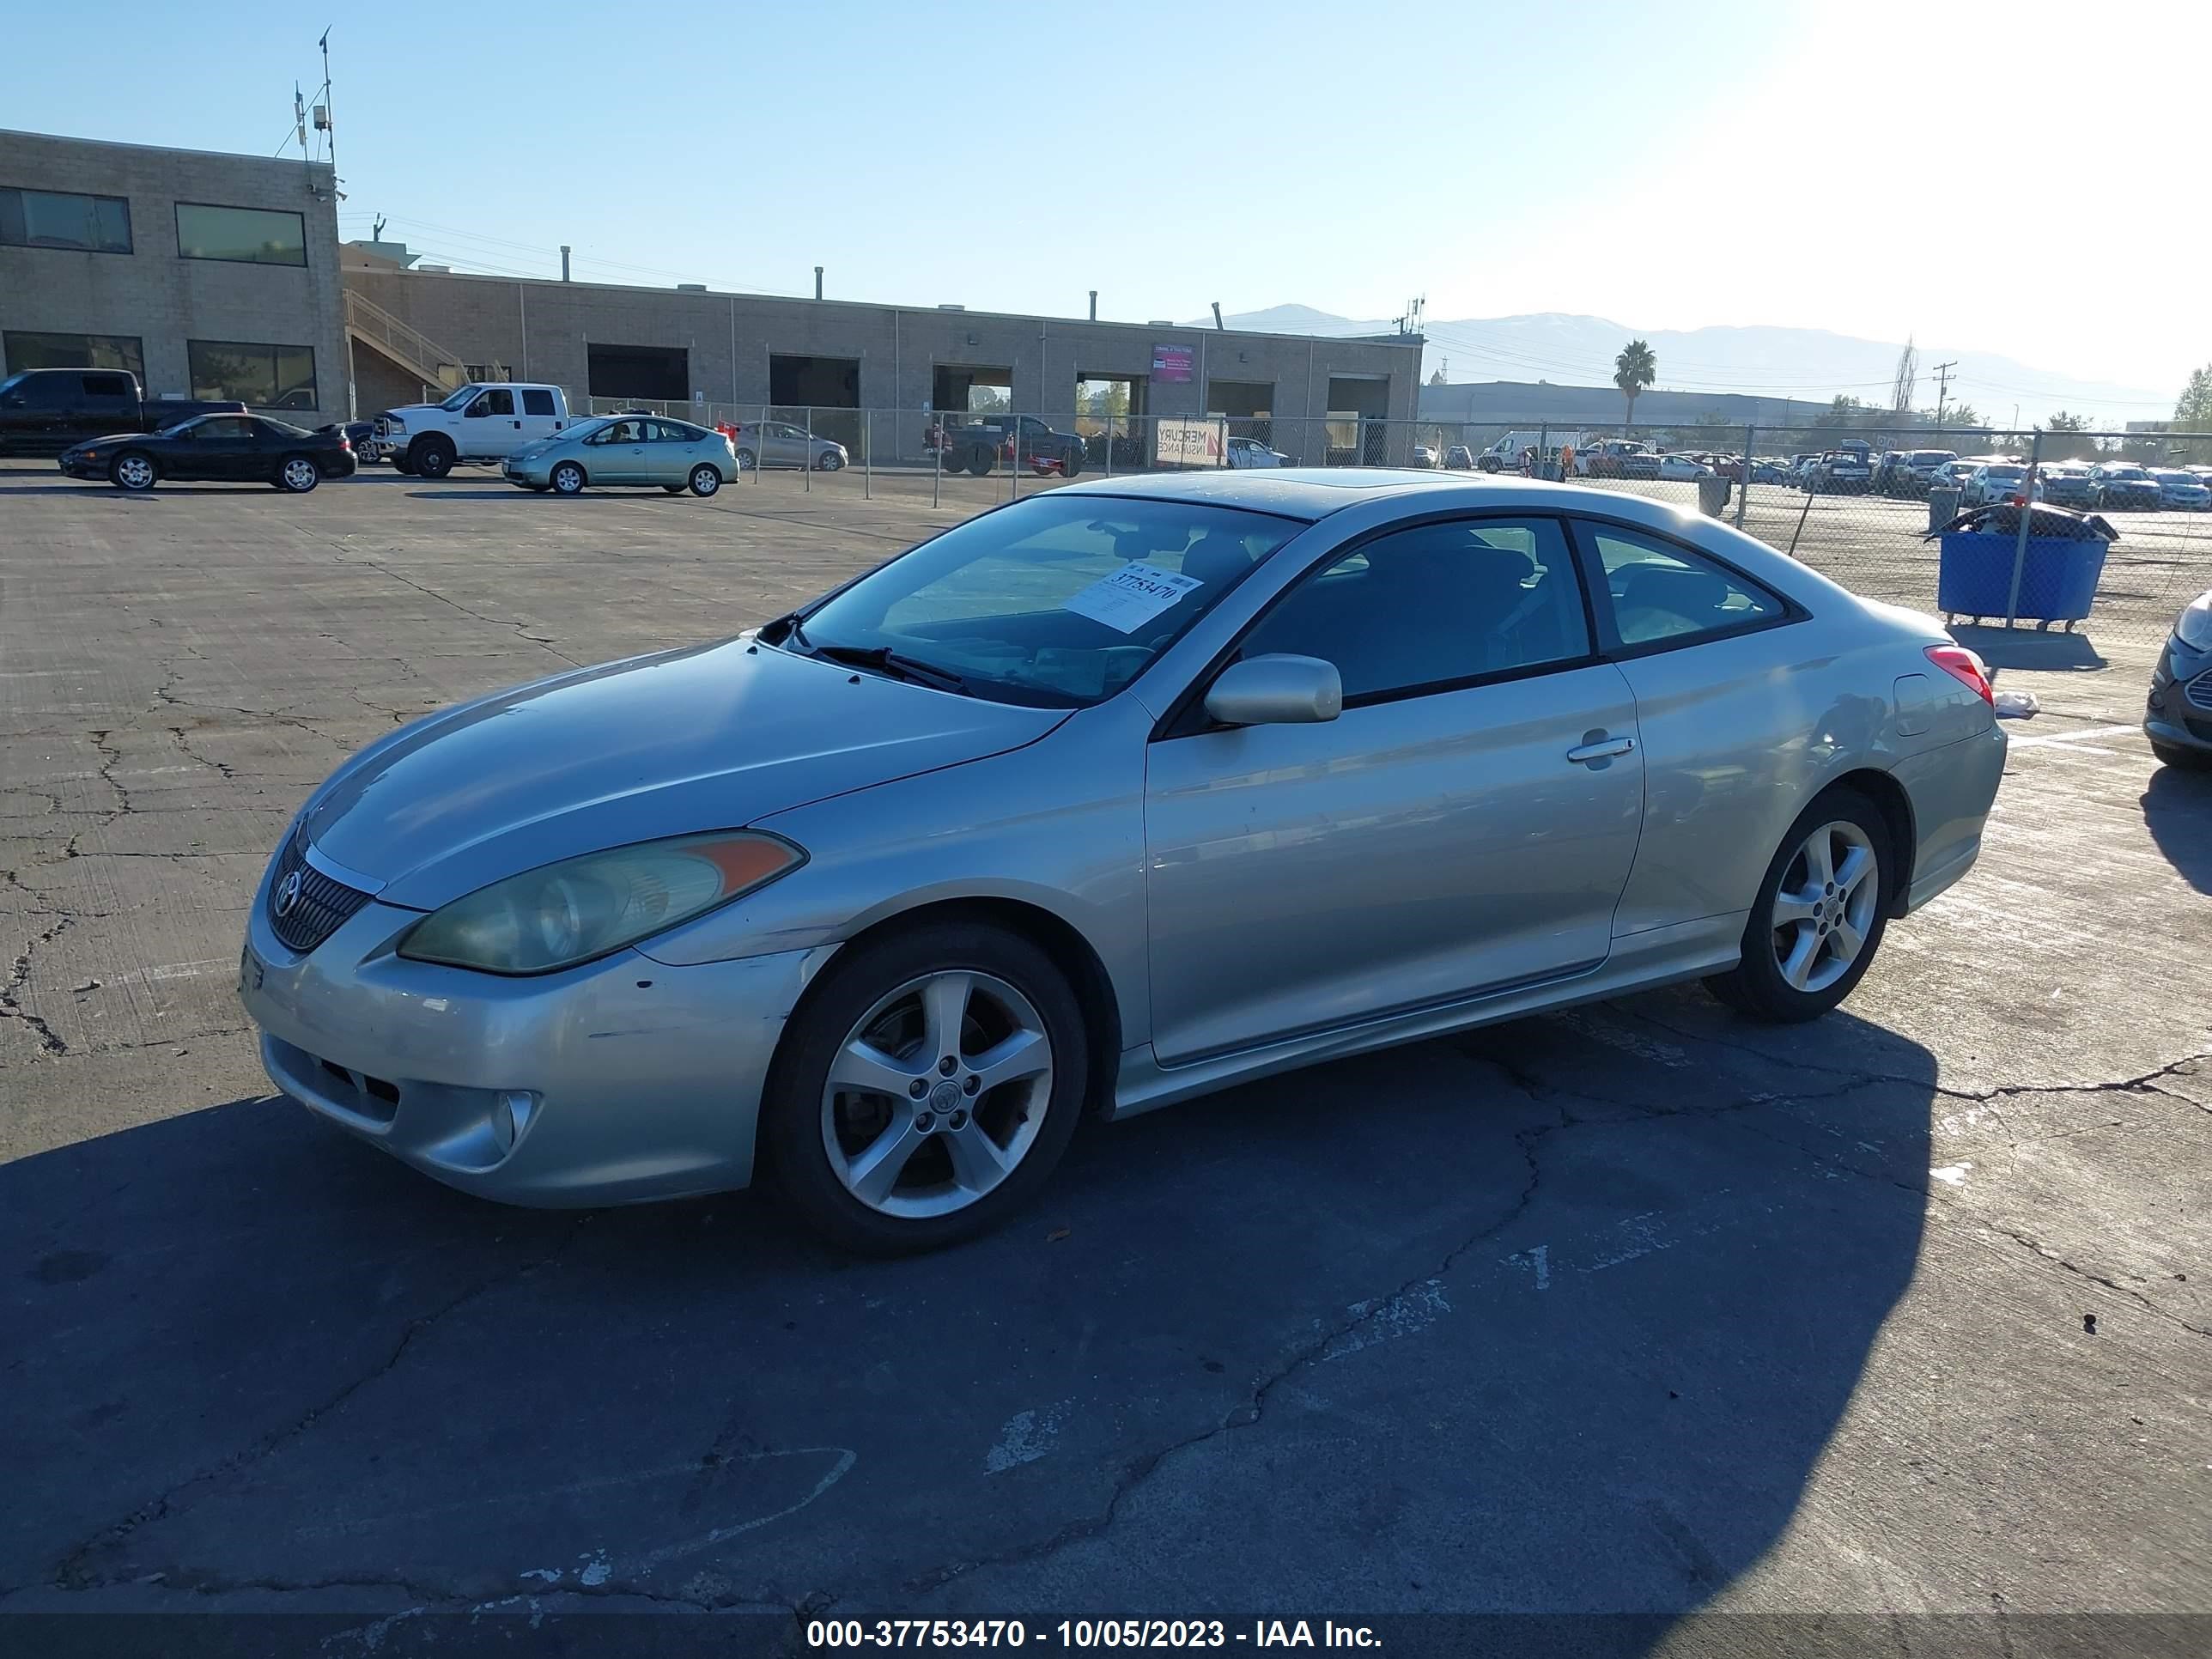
1103,799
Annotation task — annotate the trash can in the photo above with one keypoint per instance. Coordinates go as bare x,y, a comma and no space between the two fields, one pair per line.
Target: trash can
1943,505
2058,574
1713,497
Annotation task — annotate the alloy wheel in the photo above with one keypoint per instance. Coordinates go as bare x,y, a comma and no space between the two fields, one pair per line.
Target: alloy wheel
937,1094
134,472
299,474
1825,906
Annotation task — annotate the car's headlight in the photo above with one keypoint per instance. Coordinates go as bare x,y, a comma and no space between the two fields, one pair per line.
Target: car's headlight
2195,627
582,907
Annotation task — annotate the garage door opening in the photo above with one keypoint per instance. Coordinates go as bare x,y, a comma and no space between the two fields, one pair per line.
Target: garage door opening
961,389
1359,424
1249,405
1110,415
660,375
823,393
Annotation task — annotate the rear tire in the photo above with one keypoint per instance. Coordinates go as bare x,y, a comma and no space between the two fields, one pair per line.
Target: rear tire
745,462
994,989
1829,883
980,460
298,474
1071,461
706,479
431,457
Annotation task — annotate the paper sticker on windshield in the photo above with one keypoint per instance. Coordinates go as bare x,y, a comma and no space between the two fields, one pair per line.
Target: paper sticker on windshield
1130,597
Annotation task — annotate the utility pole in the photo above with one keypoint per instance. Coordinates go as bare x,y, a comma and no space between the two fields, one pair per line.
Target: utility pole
1943,374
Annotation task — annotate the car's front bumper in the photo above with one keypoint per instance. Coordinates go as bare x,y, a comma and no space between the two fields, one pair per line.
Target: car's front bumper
528,474
2130,499
78,466
2178,710
621,1081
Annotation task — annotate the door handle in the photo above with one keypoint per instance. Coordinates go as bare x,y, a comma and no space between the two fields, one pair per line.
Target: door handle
1603,749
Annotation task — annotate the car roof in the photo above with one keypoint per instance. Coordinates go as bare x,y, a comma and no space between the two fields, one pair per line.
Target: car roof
1313,493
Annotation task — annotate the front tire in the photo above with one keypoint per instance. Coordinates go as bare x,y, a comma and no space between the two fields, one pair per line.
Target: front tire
1819,916
133,470
706,479
568,479
829,461
2182,760
297,474
926,1089
431,457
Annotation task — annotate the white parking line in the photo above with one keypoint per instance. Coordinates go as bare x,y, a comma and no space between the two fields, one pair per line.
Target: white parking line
2073,737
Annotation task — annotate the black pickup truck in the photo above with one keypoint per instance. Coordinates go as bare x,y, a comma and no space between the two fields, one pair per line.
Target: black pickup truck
978,446
44,412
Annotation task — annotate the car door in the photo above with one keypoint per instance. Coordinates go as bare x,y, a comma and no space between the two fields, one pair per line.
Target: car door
223,448
619,455
109,403
668,455
1466,824
540,417
490,424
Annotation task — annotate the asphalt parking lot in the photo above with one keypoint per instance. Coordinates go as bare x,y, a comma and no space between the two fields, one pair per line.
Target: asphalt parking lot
1634,1310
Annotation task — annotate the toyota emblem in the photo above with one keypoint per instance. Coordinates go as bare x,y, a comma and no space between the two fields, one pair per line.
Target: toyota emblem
288,895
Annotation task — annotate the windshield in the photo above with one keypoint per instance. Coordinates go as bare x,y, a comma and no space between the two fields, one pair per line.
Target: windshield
1059,600
1934,456
2129,472
582,428
460,399
2173,477
2006,471
11,383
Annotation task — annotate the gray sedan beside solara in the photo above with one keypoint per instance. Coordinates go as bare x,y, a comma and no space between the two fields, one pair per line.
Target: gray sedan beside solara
1108,798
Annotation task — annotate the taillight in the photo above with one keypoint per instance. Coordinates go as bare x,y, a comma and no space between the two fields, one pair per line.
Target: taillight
1964,667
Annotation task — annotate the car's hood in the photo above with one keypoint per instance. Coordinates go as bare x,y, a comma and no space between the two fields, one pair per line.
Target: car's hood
709,738
112,438
414,409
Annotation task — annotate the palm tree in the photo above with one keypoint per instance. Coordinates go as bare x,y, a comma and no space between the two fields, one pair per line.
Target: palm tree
1633,370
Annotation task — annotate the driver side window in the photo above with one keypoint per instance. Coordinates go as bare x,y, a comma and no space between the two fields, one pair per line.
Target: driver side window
496,402
1419,610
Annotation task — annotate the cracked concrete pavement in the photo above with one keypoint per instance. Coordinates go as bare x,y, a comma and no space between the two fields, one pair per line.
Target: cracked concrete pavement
1634,1308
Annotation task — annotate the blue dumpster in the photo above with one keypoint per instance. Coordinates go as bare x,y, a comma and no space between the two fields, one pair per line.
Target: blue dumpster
2057,579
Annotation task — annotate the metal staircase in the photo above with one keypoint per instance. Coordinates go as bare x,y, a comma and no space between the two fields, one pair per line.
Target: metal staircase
430,364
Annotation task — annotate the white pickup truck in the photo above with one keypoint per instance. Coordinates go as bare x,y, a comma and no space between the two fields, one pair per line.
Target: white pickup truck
479,422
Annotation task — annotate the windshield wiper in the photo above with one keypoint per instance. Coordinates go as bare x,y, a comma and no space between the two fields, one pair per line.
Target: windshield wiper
883,659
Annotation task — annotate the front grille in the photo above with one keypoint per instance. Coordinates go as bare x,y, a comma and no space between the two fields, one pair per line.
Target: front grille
2200,692
315,907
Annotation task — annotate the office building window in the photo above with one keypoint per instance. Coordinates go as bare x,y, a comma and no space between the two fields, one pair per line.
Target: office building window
28,350
256,236
264,376
58,218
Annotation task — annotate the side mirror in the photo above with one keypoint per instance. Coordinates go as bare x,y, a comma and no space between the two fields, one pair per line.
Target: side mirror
1277,689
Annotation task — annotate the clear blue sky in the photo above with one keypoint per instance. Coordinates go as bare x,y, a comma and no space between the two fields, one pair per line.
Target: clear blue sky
1667,166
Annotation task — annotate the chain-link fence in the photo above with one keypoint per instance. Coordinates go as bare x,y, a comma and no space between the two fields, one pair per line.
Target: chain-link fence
1856,504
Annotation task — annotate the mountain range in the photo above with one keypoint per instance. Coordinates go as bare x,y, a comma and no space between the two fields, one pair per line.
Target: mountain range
1567,348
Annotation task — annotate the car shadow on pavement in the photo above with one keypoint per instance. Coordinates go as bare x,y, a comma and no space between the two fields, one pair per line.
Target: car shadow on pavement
2177,809
1554,1317
2053,651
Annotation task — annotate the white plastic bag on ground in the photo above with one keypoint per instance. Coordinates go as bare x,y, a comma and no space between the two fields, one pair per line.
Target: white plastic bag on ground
2017,705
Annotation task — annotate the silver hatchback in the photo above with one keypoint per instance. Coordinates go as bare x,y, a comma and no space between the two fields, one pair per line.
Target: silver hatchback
1097,802
637,450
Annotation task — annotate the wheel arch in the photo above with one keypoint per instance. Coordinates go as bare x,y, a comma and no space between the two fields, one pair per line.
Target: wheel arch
1051,933
1895,806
